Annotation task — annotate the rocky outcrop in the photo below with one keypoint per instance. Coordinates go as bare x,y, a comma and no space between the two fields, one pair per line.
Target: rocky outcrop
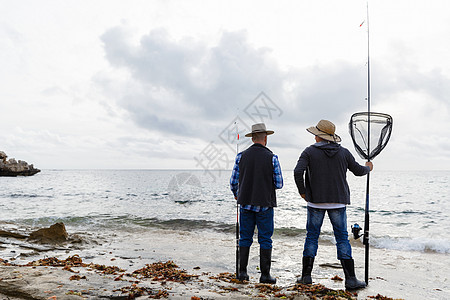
13,168
54,234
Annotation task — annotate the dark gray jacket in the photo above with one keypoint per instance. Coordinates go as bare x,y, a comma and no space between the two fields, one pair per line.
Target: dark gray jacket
325,165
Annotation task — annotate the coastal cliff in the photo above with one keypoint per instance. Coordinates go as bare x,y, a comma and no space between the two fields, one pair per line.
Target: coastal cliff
14,168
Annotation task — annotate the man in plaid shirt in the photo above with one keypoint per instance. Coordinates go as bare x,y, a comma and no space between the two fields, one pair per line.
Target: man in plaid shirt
256,174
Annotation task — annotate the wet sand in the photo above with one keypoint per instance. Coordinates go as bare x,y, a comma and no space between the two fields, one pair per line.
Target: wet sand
210,256
55,283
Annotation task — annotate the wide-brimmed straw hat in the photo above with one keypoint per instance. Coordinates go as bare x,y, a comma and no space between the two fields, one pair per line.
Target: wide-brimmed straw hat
325,130
258,128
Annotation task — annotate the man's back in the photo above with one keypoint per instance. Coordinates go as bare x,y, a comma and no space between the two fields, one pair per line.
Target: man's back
256,186
326,166
256,174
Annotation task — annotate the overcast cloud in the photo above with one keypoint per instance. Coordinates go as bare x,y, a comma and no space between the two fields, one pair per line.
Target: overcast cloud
181,82
151,84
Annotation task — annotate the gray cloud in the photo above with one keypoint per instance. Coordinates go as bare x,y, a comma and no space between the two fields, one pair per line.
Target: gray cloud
185,87
329,91
406,77
185,81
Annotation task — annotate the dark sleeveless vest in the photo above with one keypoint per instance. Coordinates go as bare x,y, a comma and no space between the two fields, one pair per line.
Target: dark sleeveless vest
256,186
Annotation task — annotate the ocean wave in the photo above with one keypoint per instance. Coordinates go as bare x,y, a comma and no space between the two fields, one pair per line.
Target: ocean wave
290,232
124,222
184,224
195,224
412,244
50,220
128,221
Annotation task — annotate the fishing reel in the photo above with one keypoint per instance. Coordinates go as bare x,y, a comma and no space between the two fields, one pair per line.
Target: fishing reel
355,230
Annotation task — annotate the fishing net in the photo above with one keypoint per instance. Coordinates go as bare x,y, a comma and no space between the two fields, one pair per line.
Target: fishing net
375,139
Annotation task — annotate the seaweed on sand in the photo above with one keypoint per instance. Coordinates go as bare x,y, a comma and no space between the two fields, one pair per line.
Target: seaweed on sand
137,291
71,261
163,271
322,292
226,277
74,261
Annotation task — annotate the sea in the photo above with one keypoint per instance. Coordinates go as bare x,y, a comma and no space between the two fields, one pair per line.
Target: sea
133,217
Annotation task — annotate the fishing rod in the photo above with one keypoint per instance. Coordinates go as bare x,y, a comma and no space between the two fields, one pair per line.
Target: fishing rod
366,214
237,210
381,125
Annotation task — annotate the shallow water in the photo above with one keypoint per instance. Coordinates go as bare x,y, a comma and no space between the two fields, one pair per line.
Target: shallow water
138,216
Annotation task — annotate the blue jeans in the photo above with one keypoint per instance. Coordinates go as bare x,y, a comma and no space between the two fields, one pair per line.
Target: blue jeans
338,218
263,221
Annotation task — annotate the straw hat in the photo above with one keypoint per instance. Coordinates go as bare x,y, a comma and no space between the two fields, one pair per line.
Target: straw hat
325,130
260,127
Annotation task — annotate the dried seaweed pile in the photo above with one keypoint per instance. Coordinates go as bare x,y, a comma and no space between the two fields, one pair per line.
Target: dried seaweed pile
227,277
55,262
318,291
163,271
268,290
136,291
74,261
110,270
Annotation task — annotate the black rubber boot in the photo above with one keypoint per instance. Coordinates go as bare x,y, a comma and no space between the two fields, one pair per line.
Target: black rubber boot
243,261
351,283
307,267
265,260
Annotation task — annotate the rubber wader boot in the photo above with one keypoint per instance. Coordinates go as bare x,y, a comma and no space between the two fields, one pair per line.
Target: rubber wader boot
243,261
351,283
265,259
308,263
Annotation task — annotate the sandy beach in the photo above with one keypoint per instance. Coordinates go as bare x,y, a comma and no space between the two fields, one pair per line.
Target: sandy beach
202,265
76,280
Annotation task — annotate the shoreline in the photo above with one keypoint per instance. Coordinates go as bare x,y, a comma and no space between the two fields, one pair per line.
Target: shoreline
52,278
208,253
65,271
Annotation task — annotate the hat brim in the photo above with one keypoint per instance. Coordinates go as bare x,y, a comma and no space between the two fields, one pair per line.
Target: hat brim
268,132
327,137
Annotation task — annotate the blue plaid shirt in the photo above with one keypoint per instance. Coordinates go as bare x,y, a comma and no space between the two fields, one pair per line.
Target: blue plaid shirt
234,181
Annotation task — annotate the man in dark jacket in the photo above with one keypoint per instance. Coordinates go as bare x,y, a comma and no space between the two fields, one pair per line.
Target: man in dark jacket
256,175
320,176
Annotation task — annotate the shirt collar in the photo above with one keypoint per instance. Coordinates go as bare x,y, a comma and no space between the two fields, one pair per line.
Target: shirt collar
321,143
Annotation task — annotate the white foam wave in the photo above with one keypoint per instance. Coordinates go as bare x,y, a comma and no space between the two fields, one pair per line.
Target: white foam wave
412,244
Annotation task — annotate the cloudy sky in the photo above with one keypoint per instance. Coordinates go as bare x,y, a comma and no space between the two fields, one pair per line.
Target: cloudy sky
158,84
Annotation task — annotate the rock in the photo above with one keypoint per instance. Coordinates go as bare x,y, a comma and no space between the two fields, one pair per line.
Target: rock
14,168
54,234
4,233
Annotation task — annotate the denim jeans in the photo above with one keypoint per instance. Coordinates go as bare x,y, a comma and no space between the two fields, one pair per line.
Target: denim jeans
263,221
338,218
